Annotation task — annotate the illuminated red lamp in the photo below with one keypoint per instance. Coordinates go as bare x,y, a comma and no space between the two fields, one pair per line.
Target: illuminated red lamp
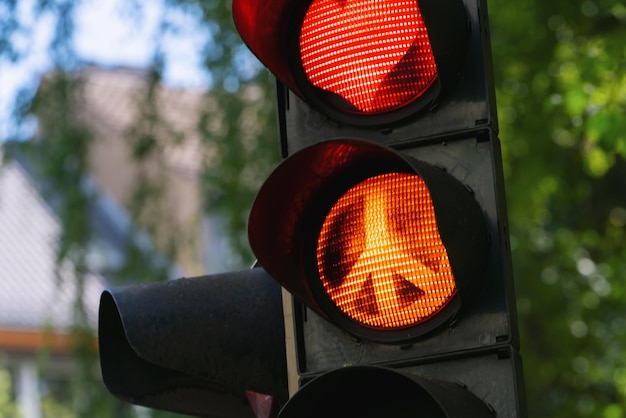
361,62
385,246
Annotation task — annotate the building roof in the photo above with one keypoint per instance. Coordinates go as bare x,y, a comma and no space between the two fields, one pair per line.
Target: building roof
32,294
36,294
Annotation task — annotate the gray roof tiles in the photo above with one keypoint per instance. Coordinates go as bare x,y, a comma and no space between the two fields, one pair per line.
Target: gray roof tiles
32,295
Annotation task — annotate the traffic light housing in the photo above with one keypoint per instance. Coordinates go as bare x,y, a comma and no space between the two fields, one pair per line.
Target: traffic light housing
353,217
389,205
472,340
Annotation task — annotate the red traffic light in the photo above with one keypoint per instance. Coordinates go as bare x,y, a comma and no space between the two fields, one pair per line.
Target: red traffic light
372,56
385,246
358,61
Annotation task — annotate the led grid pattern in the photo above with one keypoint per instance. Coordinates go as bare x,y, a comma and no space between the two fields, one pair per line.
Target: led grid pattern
380,257
373,54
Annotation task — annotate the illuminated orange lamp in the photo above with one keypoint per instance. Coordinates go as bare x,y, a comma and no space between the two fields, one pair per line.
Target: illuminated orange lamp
388,247
380,257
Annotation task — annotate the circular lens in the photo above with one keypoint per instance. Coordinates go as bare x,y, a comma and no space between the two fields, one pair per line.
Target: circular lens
380,258
367,56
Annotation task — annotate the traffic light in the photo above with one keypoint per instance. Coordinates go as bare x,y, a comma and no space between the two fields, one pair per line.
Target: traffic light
207,346
387,220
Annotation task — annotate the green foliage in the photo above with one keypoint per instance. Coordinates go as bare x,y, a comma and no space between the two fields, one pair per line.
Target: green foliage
561,94
8,409
60,156
246,149
238,124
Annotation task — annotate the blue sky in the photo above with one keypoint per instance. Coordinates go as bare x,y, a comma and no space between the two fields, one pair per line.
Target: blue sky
107,32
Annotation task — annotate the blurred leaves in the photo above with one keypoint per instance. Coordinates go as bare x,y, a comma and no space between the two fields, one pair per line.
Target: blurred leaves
8,408
560,74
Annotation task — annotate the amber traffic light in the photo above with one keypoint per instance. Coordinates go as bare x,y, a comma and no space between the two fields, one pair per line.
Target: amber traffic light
390,247
380,257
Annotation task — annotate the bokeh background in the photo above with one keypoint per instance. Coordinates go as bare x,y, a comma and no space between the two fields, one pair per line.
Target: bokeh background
135,135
